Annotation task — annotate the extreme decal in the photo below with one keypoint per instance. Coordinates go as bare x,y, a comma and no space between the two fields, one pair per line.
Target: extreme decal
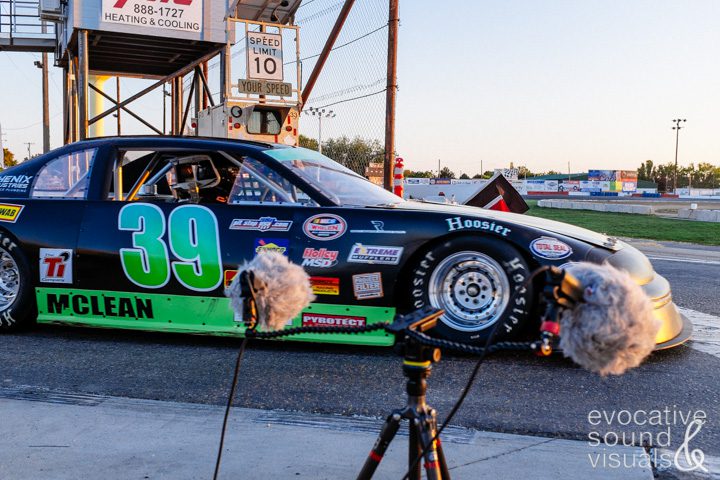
459,223
99,305
324,227
379,254
9,212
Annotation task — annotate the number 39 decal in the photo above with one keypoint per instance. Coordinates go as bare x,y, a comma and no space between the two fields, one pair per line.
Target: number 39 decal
192,237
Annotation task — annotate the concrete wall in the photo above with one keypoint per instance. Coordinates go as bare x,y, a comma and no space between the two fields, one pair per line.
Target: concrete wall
700,215
597,206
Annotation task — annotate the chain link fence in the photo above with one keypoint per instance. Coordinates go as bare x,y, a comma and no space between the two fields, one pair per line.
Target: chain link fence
345,113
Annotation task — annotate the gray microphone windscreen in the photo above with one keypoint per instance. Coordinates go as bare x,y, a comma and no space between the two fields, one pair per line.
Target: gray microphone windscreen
282,289
613,329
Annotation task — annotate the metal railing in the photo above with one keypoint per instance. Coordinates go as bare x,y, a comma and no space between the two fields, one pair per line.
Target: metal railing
20,21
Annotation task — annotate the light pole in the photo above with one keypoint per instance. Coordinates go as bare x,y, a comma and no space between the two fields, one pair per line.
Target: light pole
320,113
677,128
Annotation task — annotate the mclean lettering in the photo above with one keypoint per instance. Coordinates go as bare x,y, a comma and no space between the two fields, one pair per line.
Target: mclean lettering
105,306
459,223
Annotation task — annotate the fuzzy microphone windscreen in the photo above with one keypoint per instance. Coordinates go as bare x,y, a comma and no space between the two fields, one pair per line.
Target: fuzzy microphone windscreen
282,289
613,329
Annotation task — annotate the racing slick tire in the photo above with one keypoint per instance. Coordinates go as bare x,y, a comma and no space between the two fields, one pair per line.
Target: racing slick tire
17,304
473,280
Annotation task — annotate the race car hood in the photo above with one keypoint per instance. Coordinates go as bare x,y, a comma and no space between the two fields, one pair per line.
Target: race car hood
588,236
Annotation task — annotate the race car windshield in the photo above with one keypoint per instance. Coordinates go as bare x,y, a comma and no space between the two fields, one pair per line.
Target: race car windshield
329,177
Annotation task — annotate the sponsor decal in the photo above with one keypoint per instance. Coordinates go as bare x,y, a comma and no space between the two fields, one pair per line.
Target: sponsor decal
459,223
379,254
263,224
367,285
15,183
10,212
327,320
324,227
319,258
325,285
56,265
272,245
378,227
99,305
184,15
551,248
228,276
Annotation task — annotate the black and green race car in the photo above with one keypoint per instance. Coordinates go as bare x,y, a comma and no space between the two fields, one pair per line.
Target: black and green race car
145,233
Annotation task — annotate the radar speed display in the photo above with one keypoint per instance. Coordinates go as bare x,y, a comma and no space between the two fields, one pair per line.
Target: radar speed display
264,56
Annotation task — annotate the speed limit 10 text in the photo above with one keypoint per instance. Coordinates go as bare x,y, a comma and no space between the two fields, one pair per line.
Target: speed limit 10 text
264,45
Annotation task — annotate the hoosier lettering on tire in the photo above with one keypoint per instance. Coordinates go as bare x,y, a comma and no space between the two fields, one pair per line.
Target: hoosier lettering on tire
16,292
473,281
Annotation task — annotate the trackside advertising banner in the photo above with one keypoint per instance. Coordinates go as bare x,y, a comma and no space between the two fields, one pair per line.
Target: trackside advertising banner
184,15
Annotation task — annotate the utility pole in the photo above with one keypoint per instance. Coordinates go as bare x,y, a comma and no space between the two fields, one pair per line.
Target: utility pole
677,128
43,64
29,153
390,92
438,168
2,149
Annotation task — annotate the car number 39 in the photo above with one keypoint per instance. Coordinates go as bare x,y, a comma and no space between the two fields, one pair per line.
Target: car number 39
147,263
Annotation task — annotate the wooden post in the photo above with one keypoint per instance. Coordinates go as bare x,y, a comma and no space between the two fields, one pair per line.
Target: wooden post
393,21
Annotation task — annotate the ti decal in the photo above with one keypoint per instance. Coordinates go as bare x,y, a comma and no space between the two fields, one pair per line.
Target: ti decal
10,212
550,248
325,285
367,285
459,223
280,245
319,258
263,224
56,265
327,320
378,227
100,306
375,254
324,227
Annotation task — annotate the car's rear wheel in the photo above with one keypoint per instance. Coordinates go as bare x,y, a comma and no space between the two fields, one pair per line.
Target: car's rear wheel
473,280
16,303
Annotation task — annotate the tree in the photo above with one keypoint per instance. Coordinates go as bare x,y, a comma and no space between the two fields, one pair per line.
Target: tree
418,174
308,142
445,172
464,176
354,153
524,172
9,158
646,170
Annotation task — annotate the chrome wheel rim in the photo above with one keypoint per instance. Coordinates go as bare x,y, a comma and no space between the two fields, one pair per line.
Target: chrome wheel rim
9,280
472,288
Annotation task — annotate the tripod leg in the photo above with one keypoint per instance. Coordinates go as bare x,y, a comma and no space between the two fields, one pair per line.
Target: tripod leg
389,429
441,458
432,462
414,449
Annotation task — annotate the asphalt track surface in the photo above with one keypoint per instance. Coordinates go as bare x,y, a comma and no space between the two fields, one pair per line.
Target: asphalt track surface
515,393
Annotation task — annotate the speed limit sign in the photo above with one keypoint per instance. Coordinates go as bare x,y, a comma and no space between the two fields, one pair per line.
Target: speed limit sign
264,56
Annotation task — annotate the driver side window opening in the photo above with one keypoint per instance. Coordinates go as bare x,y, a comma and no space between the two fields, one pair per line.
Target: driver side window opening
200,177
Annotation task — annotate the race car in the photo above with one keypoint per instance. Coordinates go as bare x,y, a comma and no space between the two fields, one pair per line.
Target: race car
145,233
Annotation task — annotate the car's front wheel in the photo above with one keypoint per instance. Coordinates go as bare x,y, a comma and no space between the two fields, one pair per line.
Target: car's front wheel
16,302
473,280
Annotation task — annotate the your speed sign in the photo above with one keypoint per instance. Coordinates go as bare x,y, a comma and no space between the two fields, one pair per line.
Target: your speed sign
264,56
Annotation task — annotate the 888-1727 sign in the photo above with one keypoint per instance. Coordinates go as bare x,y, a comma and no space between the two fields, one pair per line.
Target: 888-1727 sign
264,56
185,15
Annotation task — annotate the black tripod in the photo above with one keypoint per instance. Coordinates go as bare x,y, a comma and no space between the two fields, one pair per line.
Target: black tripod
417,364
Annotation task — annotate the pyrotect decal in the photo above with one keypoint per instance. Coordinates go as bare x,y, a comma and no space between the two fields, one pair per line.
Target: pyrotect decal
325,285
263,224
367,285
99,305
376,254
550,248
15,183
378,227
327,320
324,227
192,236
272,245
459,223
319,258
10,212
56,265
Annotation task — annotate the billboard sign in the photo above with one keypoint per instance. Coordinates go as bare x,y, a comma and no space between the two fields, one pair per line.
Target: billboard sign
184,15
602,175
264,56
